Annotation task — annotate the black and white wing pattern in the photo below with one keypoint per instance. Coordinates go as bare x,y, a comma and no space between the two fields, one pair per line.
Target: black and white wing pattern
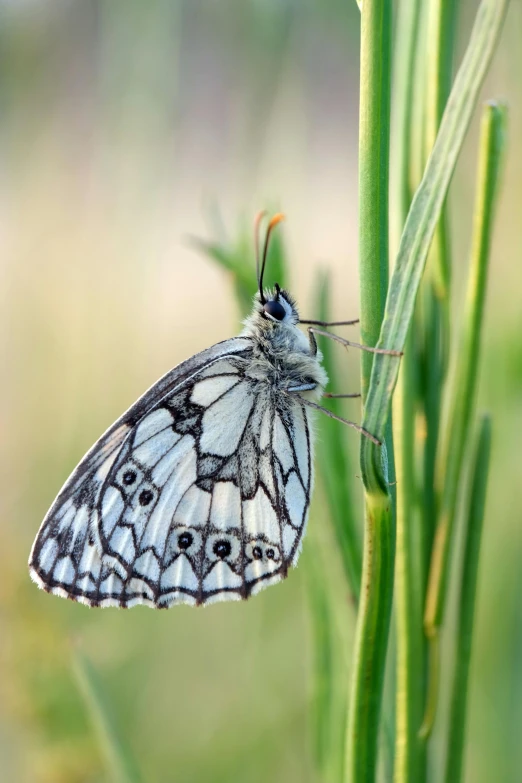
199,493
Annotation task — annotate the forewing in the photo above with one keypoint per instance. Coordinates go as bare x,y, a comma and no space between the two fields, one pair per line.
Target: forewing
67,557
170,509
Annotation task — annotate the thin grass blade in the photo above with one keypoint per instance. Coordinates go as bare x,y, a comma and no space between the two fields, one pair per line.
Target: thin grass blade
450,467
455,736
120,763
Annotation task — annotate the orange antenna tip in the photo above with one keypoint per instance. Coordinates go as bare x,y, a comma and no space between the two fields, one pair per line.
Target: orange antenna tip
278,218
273,222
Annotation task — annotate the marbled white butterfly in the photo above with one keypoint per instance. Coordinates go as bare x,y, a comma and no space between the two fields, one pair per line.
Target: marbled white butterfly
200,492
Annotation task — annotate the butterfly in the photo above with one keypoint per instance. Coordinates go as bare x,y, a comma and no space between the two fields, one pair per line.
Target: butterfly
200,492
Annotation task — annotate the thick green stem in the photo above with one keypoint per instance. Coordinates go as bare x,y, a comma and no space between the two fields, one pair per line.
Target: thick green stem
468,588
379,538
465,381
371,641
374,138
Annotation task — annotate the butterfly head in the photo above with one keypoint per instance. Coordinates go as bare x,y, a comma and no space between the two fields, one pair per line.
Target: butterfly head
277,307
274,318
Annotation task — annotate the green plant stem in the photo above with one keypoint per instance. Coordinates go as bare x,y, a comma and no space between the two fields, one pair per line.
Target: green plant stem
417,154
466,609
450,466
432,319
440,40
118,759
409,756
374,134
441,26
371,641
405,46
379,536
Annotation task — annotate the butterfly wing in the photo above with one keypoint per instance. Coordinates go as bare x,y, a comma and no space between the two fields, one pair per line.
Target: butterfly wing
199,493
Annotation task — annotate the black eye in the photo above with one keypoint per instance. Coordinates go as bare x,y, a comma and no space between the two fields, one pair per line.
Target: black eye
275,309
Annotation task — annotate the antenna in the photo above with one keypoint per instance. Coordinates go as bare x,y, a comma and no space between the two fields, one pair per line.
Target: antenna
257,224
273,223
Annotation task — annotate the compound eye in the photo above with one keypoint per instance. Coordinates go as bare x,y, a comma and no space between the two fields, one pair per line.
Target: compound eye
275,309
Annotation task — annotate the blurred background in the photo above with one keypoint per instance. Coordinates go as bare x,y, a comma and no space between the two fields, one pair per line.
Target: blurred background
126,129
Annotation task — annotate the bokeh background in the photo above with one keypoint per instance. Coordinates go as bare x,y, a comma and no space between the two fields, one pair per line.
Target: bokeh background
126,129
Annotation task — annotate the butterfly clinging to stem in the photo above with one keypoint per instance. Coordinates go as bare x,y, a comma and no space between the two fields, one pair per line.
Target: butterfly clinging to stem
200,492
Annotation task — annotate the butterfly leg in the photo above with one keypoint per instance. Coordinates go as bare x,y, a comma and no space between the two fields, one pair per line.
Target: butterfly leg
313,341
303,387
311,386
330,323
341,396
355,426
349,344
